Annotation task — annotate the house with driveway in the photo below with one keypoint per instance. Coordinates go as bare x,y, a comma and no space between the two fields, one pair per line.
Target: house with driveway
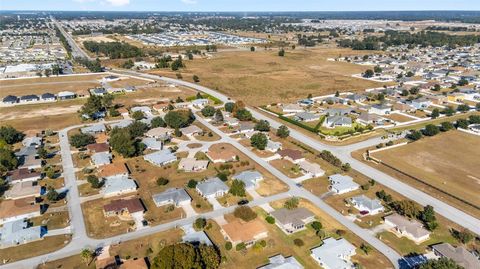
340,184
411,229
118,185
460,255
173,196
19,232
212,188
160,133
124,208
294,220
366,206
281,262
19,209
101,158
161,157
292,155
220,154
238,231
113,169
380,109
251,178
94,129
337,121
23,175
334,254
311,169
306,117
191,130
192,165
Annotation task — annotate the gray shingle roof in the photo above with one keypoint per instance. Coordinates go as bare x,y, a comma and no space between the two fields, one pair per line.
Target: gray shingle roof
211,186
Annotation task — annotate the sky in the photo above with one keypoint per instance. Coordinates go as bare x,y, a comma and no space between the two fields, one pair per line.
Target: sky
239,5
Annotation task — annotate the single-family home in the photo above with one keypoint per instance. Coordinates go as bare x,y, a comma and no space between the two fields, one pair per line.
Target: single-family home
65,95
230,121
10,99
134,264
23,208
123,207
340,184
246,127
48,97
32,141
152,143
380,109
334,254
292,108
357,98
182,105
30,162
312,169
24,189
337,121
160,133
192,165
98,147
273,146
336,111
212,188
248,233
144,109
23,175
98,91
118,185
411,229
121,124
27,151
251,178
19,232
366,118
474,128
220,154
366,206
294,220
161,157
94,129
110,78
460,255
130,89
281,262
101,158
173,196
191,130
420,103
306,117
29,98
292,155
199,103
113,169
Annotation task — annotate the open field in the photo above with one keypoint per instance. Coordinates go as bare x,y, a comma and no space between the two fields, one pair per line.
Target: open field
448,161
46,245
262,77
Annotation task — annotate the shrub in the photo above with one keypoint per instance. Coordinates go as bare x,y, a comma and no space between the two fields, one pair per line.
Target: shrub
245,213
240,246
161,181
291,203
270,219
192,184
298,242
317,225
200,223
228,245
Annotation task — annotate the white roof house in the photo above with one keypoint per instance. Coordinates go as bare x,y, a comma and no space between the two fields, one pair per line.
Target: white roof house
174,196
17,232
334,254
101,158
162,157
66,95
160,133
367,205
251,178
294,220
292,108
191,130
311,169
118,185
411,229
152,143
337,121
340,184
32,141
273,146
281,262
212,188
200,103
94,129
380,109
144,109
121,124
192,164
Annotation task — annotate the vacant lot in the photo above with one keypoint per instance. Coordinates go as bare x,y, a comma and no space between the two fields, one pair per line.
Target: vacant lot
262,77
448,161
48,244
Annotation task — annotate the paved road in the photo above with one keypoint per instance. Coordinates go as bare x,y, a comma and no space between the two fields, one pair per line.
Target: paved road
77,52
344,154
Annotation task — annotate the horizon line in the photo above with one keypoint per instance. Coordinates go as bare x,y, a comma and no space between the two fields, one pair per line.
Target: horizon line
233,11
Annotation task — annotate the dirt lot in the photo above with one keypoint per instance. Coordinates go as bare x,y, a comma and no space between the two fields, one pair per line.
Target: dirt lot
448,161
262,77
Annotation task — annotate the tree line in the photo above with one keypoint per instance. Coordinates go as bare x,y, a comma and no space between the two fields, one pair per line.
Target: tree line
114,50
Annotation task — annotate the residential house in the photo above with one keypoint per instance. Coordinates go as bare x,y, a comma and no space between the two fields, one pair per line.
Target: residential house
124,207
191,130
337,111
161,157
94,129
337,121
248,233
110,78
411,229
292,108
173,196
133,264
306,102
281,262
19,232
246,127
212,188
294,220
182,105
273,146
380,109
340,184
48,97
65,95
98,147
474,128
121,124
334,254
160,133
144,109
10,99
101,158
112,170
32,141
312,169
29,162
29,98
152,143
192,165
199,103
366,118
357,98
98,91
292,155
251,178
118,185
23,175
23,208
230,121
306,117
366,206
460,255
420,103
24,189
219,154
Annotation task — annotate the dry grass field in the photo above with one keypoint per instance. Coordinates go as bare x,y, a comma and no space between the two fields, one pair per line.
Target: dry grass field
46,245
449,161
262,77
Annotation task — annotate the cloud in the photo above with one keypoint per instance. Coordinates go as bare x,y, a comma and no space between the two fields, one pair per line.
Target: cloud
117,3
189,2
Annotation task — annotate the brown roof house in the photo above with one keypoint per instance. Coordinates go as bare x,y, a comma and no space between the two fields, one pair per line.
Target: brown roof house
23,189
22,175
123,207
220,154
12,210
291,221
98,147
113,169
134,264
295,156
248,233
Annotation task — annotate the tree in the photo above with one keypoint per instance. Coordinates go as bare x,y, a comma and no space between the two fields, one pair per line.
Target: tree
406,208
281,52
200,223
428,217
192,184
177,64
229,106
136,129
252,48
262,126
196,79
368,73
414,135
474,119
464,236
435,113
208,111
42,152
283,131
291,203
161,181
10,135
463,108
462,123
238,188
365,248
441,263
270,220
228,245
94,181
186,255
298,242
122,142
477,106
436,88
81,140
218,115
259,141
462,82
449,111
317,225
52,195
446,126
138,115
128,64
87,255
179,118
245,213
243,115
222,176
8,161
377,69
431,130
158,122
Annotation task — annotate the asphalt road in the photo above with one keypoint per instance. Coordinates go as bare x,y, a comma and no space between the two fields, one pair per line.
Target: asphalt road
77,52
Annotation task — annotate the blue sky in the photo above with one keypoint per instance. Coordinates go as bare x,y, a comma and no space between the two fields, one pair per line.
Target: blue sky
240,5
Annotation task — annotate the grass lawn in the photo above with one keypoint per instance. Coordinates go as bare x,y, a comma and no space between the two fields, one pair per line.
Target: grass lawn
199,204
87,190
286,167
46,245
54,183
73,262
56,220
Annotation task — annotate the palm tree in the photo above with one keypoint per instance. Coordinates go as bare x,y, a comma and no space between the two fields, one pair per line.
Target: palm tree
87,255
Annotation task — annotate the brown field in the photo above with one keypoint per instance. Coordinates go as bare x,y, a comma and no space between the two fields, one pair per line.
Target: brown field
262,77
47,245
55,220
399,117
449,161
